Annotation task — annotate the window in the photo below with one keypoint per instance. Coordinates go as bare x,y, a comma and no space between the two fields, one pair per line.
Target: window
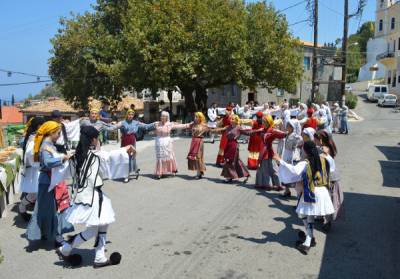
307,63
380,25
394,79
389,79
393,23
377,89
384,90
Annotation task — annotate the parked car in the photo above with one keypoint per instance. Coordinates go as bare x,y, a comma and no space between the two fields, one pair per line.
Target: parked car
387,100
375,91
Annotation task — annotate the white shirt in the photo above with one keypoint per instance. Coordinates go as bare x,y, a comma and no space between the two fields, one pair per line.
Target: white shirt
212,114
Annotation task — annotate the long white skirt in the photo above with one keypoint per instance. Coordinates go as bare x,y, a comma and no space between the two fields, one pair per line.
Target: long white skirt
30,180
89,215
323,204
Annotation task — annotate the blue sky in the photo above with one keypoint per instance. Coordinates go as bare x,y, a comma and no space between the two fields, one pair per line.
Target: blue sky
28,26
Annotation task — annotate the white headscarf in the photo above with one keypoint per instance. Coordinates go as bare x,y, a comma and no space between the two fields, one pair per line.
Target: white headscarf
296,126
310,132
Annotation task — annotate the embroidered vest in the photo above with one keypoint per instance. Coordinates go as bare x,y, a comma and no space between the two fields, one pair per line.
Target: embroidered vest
321,179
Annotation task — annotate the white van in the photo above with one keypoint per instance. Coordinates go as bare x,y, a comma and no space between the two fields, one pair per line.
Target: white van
375,91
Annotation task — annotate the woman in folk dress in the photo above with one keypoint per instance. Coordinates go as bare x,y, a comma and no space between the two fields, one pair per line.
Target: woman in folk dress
48,220
234,168
255,142
165,156
129,129
31,169
267,172
196,151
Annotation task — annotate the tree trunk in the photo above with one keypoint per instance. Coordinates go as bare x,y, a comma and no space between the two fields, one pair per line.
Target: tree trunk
187,92
201,98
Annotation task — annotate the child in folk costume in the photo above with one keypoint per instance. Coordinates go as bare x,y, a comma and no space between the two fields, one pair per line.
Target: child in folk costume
329,151
291,154
196,151
165,156
31,169
48,220
91,207
234,167
255,142
267,173
224,123
314,200
129,130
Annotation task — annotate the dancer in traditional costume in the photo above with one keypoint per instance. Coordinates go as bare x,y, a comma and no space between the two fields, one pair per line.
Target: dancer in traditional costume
335,118
30,169
315,199
94,121
48,220
329,151
91,207
291,153
343,114
267,173
165,156
212,119
196,151
234,168
255,142
129,129
312,121
224,123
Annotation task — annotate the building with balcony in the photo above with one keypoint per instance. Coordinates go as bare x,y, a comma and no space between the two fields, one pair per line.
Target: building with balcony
387,28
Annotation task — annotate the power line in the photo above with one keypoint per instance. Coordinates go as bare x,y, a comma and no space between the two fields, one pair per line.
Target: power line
298,22
27,82
9,72
292,6
332,10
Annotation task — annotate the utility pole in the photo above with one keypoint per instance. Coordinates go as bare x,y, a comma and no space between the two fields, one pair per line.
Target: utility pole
344,49
314,88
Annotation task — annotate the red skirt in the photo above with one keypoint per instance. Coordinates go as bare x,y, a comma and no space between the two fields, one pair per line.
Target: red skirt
230,151
128,139
222,145
194,148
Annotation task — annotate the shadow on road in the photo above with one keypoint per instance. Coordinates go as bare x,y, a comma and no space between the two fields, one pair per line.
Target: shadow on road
391,168
366,245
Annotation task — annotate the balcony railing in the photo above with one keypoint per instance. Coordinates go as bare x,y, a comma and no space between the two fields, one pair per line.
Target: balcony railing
386,54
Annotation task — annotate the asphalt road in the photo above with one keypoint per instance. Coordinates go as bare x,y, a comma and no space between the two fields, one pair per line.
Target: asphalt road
184,228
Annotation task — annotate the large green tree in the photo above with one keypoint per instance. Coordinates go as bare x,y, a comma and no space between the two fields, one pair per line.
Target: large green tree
161,44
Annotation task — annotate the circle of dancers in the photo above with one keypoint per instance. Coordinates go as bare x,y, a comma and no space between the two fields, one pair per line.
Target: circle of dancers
291,149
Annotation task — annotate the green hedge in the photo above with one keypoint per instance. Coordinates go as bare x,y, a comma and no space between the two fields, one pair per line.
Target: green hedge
351,100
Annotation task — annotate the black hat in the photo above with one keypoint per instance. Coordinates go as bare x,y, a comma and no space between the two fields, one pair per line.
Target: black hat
56,114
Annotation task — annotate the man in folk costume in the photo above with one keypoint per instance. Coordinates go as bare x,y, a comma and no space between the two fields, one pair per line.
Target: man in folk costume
224,123
90,206
255,142
315,200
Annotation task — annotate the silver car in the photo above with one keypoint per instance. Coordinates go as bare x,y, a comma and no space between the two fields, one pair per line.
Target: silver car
387,100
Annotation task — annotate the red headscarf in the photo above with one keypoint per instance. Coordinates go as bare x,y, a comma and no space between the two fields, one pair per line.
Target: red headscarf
310,112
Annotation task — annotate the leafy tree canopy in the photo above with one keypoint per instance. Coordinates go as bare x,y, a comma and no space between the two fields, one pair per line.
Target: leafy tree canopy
161,44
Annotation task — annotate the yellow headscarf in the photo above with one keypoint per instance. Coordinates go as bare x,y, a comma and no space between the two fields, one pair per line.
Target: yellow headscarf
201,117
269,120
235,119
128,112
46,129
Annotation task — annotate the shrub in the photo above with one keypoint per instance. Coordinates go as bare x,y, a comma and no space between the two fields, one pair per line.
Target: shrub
351,100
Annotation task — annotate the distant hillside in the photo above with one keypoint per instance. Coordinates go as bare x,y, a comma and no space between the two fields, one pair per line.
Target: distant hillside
49,91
